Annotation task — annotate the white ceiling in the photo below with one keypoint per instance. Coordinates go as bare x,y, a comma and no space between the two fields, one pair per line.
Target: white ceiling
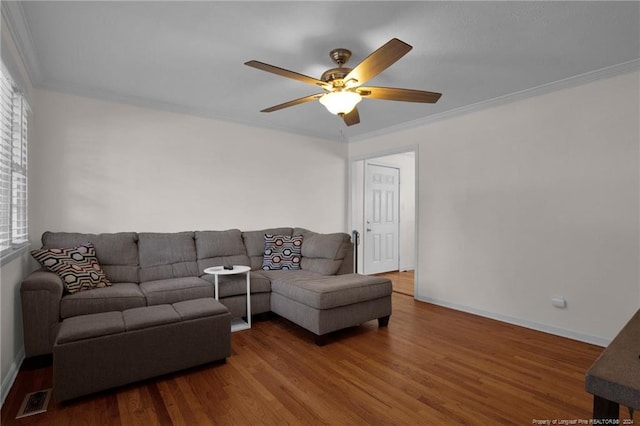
188,56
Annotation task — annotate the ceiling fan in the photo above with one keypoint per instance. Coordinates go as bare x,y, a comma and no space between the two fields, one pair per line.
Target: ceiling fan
343,86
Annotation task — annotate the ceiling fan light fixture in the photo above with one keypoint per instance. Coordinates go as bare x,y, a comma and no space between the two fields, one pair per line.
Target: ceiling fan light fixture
343,87
340,102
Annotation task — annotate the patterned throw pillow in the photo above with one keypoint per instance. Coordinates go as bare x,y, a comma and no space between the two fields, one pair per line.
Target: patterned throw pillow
282,252
78,267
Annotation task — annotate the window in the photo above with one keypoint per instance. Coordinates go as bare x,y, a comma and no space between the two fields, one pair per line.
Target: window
14,112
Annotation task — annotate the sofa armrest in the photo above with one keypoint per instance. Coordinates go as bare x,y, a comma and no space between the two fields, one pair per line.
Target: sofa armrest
41,292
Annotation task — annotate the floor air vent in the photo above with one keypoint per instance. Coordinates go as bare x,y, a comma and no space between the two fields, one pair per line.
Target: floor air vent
34,403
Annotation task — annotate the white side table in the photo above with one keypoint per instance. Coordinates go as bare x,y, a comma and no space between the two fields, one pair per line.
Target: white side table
237,324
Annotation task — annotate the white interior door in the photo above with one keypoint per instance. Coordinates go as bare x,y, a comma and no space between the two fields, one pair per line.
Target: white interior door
382,225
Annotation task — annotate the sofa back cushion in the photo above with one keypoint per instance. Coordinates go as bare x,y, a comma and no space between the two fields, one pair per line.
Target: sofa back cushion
323,253
254,243
117,253
219,248
167,255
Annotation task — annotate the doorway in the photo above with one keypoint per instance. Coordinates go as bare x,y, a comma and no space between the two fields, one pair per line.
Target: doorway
383,210
382,224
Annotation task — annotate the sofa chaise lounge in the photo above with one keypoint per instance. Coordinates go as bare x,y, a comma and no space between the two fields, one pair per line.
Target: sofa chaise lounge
147,269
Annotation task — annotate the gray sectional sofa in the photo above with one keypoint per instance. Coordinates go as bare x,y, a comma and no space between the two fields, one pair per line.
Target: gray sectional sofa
148,269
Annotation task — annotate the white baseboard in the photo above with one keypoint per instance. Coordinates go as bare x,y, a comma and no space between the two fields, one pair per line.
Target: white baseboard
582,337
7,381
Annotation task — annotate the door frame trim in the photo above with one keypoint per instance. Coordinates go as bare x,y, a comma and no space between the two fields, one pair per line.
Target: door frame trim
351,195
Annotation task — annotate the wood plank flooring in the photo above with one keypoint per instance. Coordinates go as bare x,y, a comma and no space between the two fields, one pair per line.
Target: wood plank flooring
431,365
403,281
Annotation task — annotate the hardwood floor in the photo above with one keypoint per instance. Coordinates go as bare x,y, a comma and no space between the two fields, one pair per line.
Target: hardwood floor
403,281
431,365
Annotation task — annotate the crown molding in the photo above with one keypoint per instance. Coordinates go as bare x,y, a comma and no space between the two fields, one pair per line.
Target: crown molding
19,30
565,83
151,104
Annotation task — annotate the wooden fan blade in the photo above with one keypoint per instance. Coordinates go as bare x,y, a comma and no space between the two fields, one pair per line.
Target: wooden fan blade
352,118
379,61
293,102
394,94
286,73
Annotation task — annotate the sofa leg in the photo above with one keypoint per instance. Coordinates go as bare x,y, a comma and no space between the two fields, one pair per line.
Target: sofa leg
383,321
321,340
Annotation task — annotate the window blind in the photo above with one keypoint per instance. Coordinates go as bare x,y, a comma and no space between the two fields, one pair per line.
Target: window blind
6,144
14,112
19,172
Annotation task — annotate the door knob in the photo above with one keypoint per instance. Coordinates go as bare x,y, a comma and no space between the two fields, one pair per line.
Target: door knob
368,229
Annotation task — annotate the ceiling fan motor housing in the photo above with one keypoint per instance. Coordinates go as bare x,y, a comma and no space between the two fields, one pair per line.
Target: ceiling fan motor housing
335,74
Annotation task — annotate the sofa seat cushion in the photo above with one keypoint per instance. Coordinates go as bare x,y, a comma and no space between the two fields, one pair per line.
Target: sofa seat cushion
199,308
234,285
173,290
90,326
292,276
118,297
149,316
328,292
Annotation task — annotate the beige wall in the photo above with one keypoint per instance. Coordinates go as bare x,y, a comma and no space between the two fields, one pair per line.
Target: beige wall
530,200
104,167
